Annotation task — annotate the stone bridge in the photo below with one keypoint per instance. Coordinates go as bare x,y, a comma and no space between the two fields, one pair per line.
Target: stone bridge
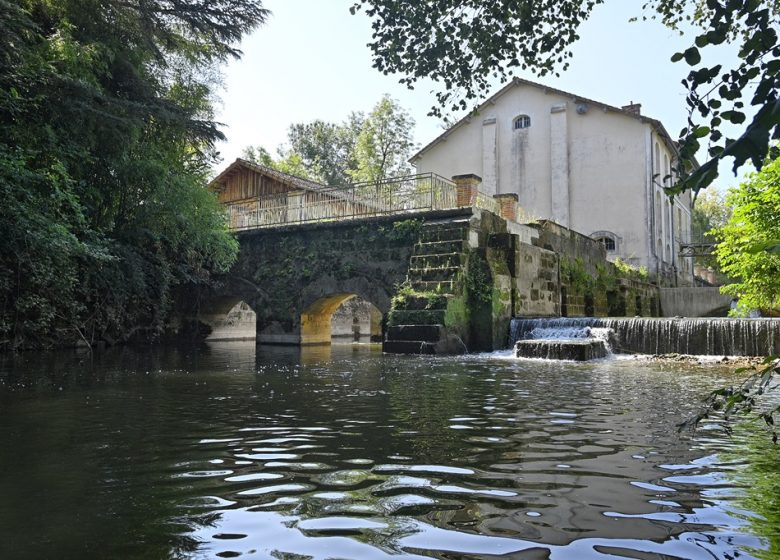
295,278
438,282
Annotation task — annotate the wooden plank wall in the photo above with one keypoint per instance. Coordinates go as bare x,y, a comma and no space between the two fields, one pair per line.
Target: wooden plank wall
244,184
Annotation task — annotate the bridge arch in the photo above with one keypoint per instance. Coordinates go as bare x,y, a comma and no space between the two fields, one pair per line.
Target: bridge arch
229,318
319,319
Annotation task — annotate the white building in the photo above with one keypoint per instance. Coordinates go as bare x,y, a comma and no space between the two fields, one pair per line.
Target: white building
597,169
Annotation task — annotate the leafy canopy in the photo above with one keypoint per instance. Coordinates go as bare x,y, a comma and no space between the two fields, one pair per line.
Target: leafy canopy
710,211
367,148
106,141
463,45
748,247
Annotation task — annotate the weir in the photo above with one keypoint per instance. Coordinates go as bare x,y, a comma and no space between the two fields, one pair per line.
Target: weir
695,336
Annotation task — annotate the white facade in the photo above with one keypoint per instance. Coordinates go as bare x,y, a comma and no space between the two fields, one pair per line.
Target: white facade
596,169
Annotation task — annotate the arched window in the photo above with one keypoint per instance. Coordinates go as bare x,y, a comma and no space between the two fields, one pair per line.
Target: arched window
666,179
606,238
608,242
521,121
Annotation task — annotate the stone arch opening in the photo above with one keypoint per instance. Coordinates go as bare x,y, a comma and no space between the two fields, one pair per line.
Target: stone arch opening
341,317
229,318
356,320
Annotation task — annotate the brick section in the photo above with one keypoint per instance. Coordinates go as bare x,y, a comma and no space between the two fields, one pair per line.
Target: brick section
467,187
508,205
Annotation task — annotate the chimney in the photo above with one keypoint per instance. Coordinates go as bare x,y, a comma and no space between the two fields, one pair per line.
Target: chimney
633,108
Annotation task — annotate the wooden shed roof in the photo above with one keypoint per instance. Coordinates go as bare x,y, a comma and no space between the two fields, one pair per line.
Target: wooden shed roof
219,182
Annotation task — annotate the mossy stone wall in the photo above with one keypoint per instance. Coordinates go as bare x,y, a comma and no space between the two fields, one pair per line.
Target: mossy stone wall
282,272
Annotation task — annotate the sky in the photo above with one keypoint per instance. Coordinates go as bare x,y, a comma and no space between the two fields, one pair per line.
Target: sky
310,61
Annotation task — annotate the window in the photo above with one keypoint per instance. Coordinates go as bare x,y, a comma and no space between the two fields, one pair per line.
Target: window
606,238
523,121
608,242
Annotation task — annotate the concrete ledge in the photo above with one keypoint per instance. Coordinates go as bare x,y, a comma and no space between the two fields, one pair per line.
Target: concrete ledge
578,350
694,302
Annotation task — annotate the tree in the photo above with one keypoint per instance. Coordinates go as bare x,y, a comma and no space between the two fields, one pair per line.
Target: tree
743,241
106,140
362,148
290,163
710,211
384,144
327,150
462,45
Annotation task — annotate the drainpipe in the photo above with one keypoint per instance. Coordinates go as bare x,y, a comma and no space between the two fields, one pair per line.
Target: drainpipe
671,227
653,217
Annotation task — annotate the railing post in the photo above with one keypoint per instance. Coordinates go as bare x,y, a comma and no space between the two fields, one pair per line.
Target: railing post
507,205
467,187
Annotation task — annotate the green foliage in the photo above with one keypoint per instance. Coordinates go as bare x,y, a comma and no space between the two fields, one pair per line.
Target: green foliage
362,148
384,144
574,275
605,281
459,48
106,139
717,95
710,211
326,150
758,476
629,271
291,163
478,281
743,399
748,242
406,230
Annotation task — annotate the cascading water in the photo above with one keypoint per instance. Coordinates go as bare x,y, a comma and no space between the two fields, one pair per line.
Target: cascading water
565,343
697,336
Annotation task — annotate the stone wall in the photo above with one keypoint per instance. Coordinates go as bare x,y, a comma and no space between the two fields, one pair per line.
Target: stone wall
295,278
537,290
460,276
565,273
694,302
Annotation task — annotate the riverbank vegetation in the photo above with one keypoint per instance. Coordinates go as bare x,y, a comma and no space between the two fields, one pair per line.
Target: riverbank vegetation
748,247
106,140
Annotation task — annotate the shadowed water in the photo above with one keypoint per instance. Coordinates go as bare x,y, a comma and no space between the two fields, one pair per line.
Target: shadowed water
231,452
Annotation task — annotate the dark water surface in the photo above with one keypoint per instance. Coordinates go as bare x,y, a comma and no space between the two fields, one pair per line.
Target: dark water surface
226,451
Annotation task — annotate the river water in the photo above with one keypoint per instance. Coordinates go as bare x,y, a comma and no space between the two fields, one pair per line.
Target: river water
231,451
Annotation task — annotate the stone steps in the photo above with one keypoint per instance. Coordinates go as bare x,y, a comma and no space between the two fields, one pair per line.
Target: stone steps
416,321
437,286
398,317
440,247
447,273
420,333
452,231
437,260
423,301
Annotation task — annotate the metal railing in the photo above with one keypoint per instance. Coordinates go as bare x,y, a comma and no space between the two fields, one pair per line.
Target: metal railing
404,195
699,246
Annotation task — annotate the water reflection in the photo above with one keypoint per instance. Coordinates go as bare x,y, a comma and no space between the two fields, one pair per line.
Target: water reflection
323,452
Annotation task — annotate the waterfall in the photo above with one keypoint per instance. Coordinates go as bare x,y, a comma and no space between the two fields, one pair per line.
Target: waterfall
697,336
